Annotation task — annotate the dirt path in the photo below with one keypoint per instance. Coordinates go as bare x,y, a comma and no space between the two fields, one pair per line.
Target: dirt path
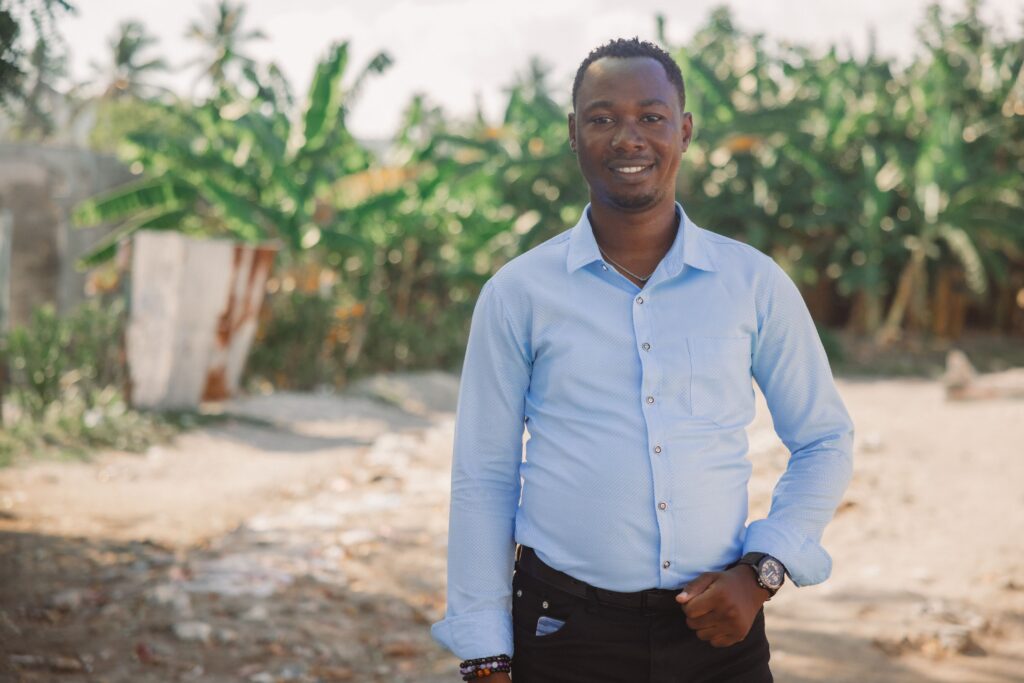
928,583
312,549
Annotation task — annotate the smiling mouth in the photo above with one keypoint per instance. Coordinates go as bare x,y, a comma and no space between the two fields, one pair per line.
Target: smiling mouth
631,170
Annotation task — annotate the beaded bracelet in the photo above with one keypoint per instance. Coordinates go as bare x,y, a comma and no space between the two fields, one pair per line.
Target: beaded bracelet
485,666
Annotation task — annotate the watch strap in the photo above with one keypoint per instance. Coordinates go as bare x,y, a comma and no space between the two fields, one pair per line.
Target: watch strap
754,559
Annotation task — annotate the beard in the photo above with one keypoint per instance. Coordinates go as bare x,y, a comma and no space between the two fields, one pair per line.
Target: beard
635,201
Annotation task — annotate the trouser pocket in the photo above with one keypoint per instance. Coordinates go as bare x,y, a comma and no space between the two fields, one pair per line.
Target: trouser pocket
542,614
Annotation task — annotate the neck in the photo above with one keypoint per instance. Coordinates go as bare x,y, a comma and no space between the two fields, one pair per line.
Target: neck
636,240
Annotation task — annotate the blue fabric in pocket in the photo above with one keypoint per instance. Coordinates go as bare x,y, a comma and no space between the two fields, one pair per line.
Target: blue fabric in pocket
547,625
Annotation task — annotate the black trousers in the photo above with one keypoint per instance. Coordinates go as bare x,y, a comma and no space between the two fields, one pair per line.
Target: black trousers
601,643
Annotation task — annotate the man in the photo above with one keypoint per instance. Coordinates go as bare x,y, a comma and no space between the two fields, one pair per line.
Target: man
626,347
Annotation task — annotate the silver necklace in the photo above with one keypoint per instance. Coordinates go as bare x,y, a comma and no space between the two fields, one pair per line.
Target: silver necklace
623,268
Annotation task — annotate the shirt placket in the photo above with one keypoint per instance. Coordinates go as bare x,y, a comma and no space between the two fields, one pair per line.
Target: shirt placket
652,399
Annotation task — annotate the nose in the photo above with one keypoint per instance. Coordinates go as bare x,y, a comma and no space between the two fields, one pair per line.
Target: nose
627,137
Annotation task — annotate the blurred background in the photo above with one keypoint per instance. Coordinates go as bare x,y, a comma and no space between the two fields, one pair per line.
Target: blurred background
240,245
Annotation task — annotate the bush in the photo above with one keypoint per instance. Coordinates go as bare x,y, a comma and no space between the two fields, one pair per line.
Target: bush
311,338
73,426
64,395
73,357
296,345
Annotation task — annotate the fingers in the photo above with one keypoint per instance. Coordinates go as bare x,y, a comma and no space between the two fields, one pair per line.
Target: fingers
696,587
704,621
707,602
722,613
717,637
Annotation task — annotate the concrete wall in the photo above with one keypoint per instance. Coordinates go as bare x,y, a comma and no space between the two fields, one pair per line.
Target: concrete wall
40,185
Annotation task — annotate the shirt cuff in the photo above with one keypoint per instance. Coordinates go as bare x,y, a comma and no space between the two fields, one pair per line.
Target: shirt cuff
475,635
806,561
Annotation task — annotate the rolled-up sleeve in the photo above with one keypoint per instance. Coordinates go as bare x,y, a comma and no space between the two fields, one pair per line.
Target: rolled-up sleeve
791,367
485,484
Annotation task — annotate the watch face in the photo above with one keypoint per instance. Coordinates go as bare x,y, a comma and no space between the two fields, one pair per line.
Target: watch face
772,573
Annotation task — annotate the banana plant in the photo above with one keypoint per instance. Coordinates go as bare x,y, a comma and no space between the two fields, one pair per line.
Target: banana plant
854,171
242,165
968,93
750,170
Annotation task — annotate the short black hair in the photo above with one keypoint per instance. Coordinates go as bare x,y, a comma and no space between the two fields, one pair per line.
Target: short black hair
623,48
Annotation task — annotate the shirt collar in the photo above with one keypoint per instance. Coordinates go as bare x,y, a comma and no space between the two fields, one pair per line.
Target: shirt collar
689,246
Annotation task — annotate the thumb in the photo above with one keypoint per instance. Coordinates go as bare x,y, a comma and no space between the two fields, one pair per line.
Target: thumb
696,587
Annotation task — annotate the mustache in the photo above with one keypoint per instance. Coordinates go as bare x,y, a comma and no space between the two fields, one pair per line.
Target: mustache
630,161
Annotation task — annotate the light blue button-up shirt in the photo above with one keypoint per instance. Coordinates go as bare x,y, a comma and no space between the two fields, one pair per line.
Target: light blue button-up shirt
635,400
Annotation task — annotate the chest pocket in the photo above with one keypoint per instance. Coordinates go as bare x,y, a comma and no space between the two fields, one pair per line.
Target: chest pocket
721,388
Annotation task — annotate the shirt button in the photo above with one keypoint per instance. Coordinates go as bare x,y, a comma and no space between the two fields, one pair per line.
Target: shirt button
666,564
657,449
646,346
650,399
604,267
662,506
639,299
544,604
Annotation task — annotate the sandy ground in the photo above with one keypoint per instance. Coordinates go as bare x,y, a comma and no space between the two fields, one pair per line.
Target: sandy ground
312,548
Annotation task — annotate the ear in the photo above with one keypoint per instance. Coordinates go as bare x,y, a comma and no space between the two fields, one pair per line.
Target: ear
572,132
687,129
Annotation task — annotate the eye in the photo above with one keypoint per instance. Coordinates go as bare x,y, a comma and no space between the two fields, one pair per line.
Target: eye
600,120
652,118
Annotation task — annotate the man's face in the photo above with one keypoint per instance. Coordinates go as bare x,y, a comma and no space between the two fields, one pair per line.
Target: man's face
629,133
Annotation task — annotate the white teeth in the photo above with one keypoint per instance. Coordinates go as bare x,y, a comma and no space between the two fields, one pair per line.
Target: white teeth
630,169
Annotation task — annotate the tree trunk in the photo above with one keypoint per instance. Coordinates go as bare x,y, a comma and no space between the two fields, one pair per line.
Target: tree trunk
865,313
918,314
1008,308
901,301
354,350
942,304
405,282
872,304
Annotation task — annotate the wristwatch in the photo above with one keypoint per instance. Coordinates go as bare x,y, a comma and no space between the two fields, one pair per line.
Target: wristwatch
770,572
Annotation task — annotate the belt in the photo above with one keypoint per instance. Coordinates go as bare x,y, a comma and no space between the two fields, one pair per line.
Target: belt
658,599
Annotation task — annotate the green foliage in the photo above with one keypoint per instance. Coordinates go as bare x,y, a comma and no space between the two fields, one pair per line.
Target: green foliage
74,425
240,165
859,171
124,76
222,36
17,63
118,119
297,343
32,59
79,356
10,73
469,198
862,177
64,392
412,244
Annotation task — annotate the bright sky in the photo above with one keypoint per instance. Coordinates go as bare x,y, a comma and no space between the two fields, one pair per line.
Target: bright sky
457,50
